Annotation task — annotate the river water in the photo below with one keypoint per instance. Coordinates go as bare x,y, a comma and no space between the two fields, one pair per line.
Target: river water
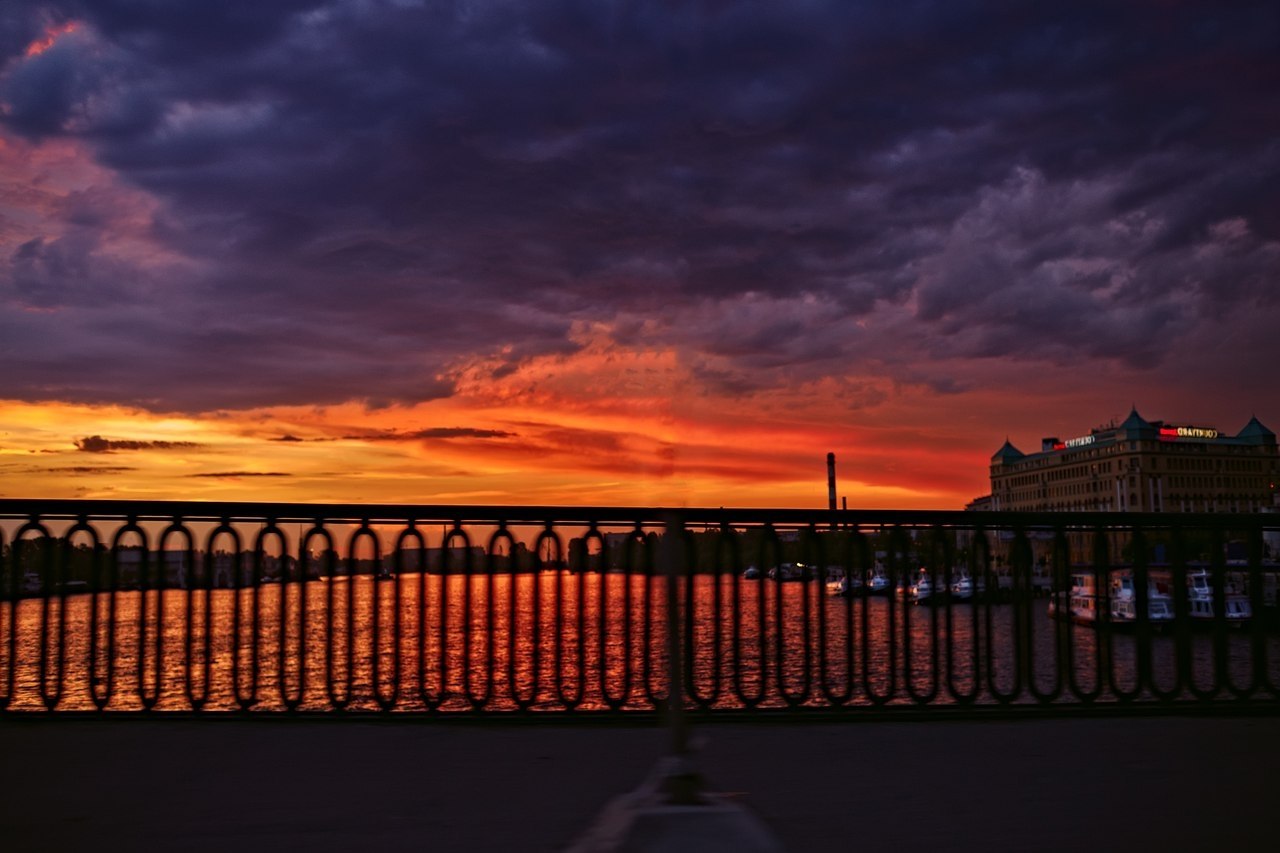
555,640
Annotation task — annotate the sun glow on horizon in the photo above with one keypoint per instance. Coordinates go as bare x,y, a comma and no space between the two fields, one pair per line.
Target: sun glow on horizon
439,452
605,424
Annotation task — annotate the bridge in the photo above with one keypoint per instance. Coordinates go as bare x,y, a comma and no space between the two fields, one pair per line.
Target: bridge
507,669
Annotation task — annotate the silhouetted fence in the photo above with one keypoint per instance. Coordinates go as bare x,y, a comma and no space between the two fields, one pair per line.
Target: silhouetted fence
154,606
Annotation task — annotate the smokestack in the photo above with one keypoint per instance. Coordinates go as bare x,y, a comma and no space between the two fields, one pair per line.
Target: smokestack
831,481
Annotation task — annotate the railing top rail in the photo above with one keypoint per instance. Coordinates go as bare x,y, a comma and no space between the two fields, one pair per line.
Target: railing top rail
22,508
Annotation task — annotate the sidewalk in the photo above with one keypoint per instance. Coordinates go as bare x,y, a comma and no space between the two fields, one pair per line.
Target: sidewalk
277,785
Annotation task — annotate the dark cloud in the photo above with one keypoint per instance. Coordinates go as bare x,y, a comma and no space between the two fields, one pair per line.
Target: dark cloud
232,474
431,433
50,273
98,444
78,470
459,432
365,196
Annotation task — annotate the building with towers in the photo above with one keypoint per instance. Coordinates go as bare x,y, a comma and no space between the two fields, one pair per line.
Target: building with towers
1141,466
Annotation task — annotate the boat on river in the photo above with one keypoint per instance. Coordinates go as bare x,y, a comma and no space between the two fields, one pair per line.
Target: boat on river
1083,603
923,587
790,572
877,581
850,585
966,588
1200,600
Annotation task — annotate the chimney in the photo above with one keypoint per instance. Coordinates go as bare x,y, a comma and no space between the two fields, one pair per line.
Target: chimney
831,481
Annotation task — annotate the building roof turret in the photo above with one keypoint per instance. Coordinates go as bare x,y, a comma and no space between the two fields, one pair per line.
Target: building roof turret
1136,426
1007,453
1255,433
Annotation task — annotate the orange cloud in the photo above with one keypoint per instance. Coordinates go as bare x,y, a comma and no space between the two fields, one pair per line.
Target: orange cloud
606,425
51,35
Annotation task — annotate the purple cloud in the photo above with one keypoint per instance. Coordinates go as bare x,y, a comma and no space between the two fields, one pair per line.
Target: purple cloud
353,201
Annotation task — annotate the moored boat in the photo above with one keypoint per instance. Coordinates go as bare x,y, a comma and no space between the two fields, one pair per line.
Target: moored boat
850,585
1084,605
1200,601
877,581
1124,602
965,587
835,578
790,572
924,586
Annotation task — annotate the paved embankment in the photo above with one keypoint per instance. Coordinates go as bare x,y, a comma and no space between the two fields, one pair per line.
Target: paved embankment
1168,784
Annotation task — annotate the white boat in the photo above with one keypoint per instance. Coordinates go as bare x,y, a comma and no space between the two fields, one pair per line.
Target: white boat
924,586
964,587
1083,602
835,579
877,581
1080,603
1124,602
1200,600
850,585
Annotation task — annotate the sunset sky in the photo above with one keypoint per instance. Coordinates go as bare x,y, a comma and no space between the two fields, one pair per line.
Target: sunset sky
623,252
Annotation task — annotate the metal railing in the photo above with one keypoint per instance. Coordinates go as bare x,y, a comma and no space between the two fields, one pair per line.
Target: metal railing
502,611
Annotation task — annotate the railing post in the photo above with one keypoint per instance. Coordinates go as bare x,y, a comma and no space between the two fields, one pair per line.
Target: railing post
682,784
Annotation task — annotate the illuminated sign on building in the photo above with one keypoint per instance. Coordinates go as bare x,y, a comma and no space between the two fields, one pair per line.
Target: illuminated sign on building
1071,443
1172,432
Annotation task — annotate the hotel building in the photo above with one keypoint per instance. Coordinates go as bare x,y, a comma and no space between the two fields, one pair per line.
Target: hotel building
1141,466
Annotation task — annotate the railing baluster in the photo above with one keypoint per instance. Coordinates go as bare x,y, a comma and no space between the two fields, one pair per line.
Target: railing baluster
178,609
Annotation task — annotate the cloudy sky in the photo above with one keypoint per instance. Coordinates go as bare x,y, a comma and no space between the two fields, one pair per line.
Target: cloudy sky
623,252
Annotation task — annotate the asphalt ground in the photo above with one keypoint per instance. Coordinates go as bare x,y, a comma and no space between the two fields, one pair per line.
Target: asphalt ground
1132,784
